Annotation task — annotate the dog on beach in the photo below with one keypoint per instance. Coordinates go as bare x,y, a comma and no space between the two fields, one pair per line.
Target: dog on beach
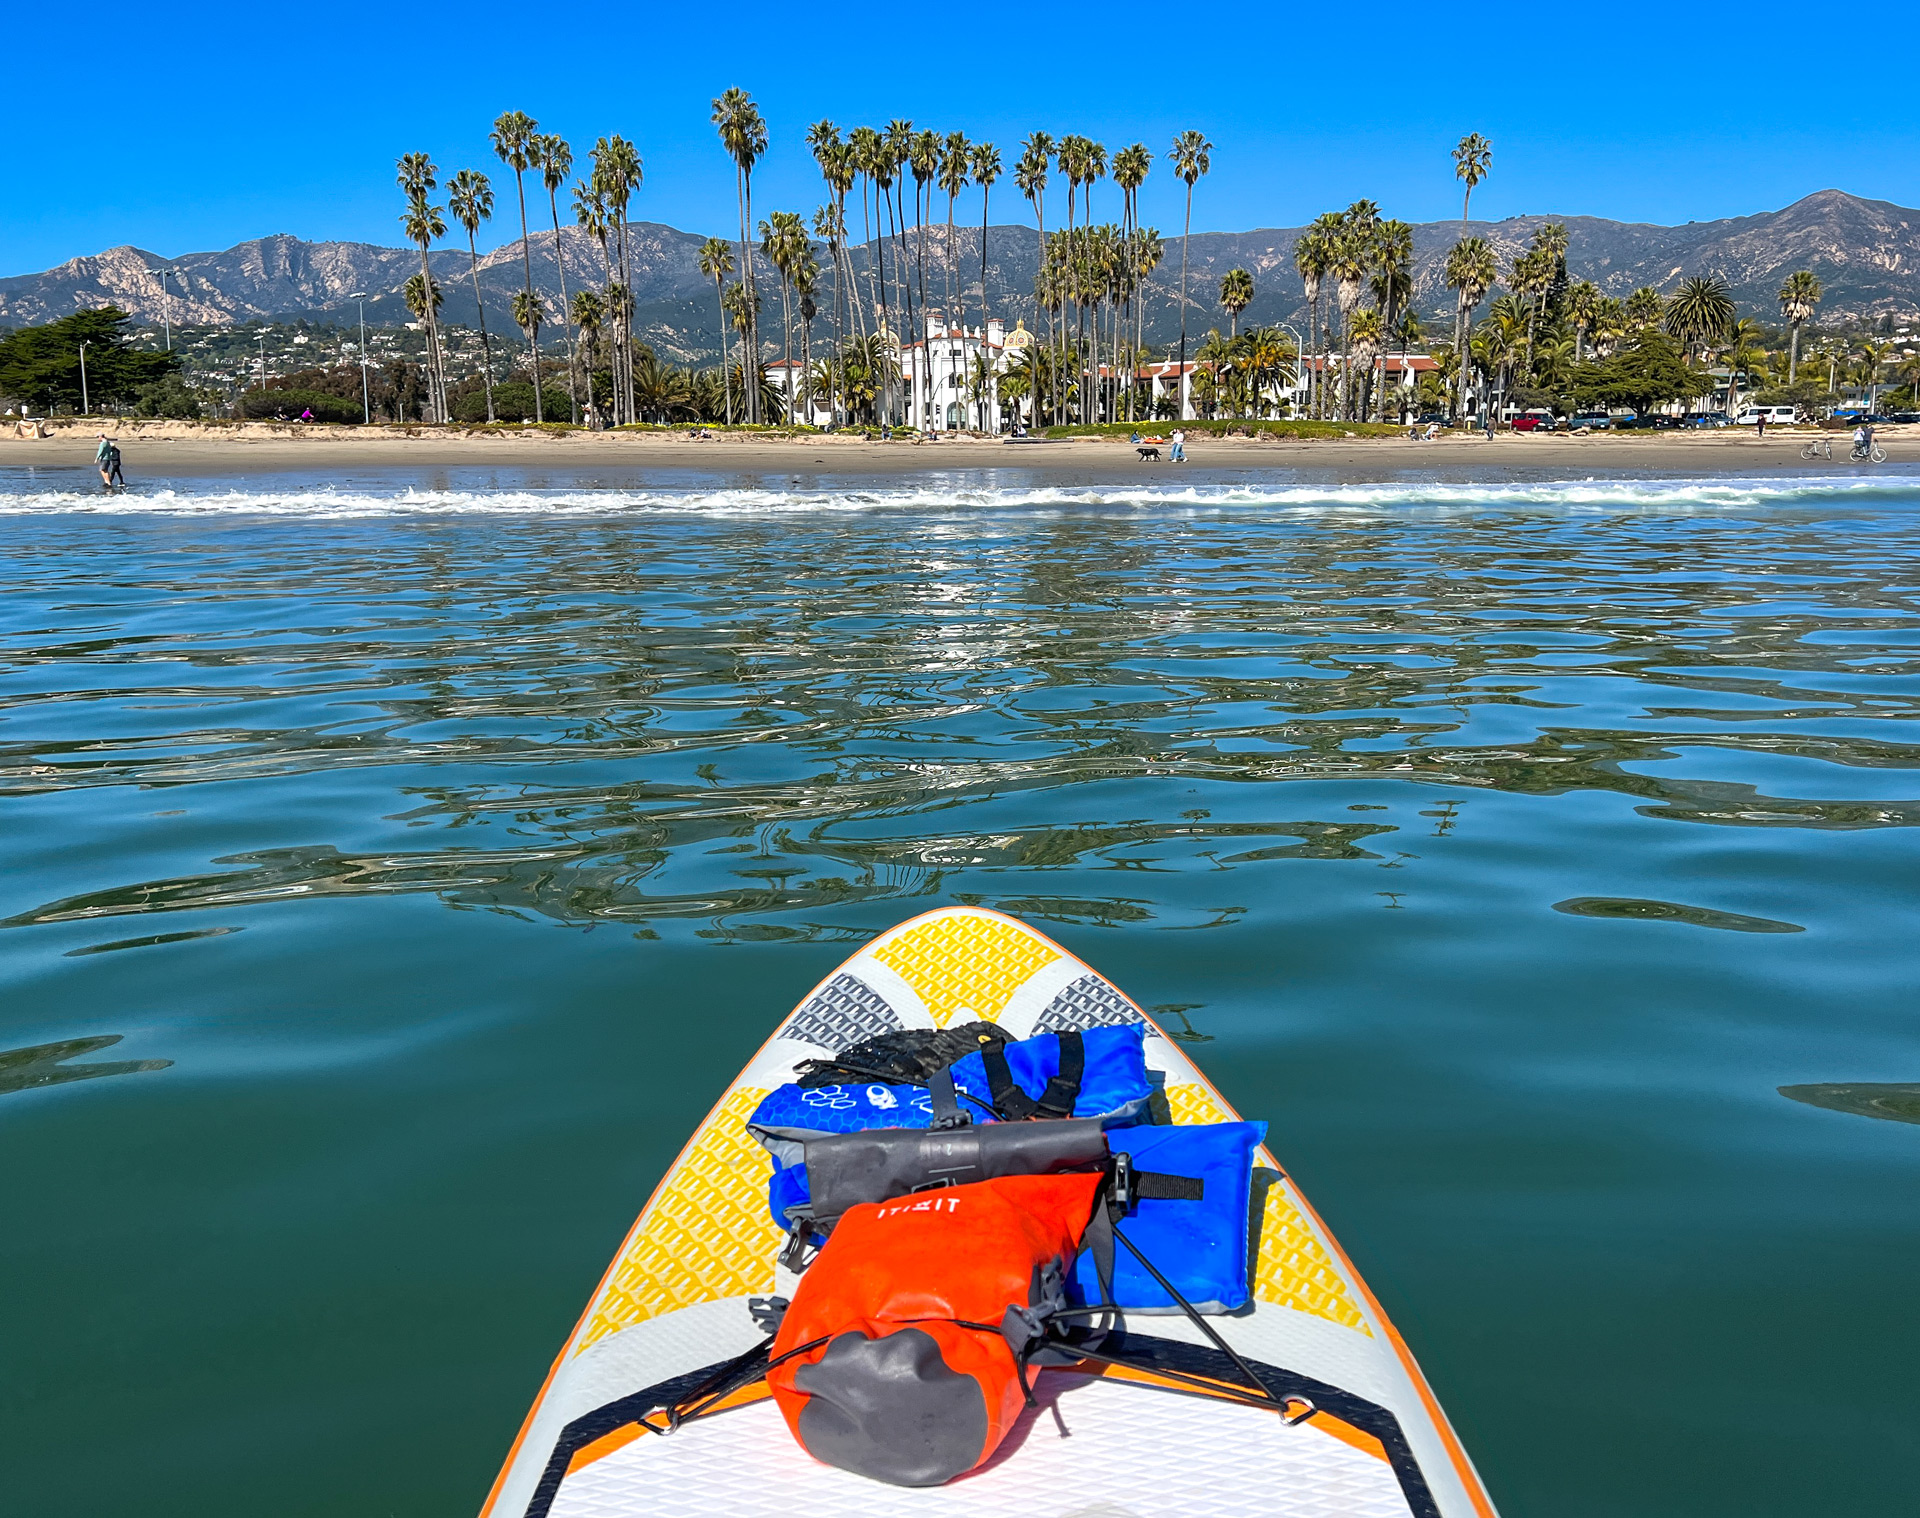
1148,455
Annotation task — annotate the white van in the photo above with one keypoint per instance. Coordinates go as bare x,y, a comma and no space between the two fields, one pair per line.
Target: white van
1773,416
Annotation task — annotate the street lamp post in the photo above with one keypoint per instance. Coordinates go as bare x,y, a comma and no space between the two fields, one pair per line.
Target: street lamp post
166,303
366,394
85,408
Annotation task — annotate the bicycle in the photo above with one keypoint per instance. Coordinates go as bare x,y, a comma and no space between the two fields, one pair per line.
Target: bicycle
1873,452
1819,448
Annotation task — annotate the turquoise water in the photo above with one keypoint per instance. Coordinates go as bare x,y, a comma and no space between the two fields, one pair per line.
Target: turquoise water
436,849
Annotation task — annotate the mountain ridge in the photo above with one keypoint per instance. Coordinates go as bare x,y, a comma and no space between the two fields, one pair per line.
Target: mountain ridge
1866,253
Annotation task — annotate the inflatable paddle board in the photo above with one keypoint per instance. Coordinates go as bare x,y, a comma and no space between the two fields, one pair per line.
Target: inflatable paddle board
1362,1437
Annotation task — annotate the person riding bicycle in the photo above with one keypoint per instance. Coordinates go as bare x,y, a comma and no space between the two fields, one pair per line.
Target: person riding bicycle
1863,438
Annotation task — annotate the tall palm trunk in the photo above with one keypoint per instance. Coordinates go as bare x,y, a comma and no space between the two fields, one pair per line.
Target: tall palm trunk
726,349
1186,234
566,312
526,258
1793,354
750,356
486,345
436,374
786,342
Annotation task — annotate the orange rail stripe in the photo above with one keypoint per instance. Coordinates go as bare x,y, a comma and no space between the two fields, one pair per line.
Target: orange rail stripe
606,1444
624,1435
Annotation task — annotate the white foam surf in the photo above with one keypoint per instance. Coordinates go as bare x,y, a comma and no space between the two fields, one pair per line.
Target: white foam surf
1603,495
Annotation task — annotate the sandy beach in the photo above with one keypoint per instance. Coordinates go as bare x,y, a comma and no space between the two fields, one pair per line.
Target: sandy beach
157,452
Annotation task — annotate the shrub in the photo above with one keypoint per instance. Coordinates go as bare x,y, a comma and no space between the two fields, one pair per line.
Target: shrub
290,403
169,398
513,402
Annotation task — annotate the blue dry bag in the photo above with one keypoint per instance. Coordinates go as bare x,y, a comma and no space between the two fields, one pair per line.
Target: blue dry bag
1201,1245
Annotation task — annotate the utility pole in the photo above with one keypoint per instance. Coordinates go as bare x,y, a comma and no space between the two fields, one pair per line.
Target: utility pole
85,409
166,303
263,363
366,394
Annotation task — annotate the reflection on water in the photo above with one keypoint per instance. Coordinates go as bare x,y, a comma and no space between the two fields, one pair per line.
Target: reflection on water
1899,1102
45,1064
1622,907
480,839
751,722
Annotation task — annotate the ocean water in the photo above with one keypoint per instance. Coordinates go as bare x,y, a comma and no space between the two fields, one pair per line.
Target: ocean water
393,870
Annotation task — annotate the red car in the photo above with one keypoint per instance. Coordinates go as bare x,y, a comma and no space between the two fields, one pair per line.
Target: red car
1533,421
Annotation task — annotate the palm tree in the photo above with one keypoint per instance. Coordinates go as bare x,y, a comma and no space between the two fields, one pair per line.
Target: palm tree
556,162
1192,157
617,173
716,263
1700,311
527,315
1313,258
743,133
986,169
594,213
899,155
1645,307
1236,294
1471,272
424,225
514,133
1392,284
924,160
1349,270
1867,368
1030,174
1744,347
470,198
1472,158
1130,168
1583,305
1365,335
783,240
1532,277
955,161
1799,299
587,311
1610,324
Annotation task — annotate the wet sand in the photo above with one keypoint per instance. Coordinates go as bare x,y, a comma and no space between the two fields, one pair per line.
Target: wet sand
159,453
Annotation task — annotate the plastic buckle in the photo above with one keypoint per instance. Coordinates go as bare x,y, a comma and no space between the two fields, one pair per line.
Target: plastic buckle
1125,1185
795,1257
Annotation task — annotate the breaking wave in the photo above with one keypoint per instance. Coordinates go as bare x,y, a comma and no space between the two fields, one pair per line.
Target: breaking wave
1707,493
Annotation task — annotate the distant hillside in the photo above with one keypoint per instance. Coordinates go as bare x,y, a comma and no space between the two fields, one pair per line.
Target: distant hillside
1866,253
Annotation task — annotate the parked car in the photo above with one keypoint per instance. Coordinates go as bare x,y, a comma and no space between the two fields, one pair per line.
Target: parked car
1658,422
1773,416
1906,416
1594,421
1539,419
1430,418
1706,419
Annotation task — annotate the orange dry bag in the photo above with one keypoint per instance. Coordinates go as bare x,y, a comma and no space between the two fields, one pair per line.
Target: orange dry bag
901,1372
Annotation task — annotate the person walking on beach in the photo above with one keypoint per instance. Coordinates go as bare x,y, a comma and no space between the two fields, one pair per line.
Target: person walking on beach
1179,454
106,459
1760,425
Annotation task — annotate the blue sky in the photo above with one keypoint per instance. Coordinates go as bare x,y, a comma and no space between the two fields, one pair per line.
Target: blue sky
154,126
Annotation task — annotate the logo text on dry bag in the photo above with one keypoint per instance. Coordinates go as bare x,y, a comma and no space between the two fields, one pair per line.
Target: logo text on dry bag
925,1204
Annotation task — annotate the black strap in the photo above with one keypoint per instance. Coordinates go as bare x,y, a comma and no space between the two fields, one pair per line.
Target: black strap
946,1103
1064,1089
1008,1099
1158,1186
